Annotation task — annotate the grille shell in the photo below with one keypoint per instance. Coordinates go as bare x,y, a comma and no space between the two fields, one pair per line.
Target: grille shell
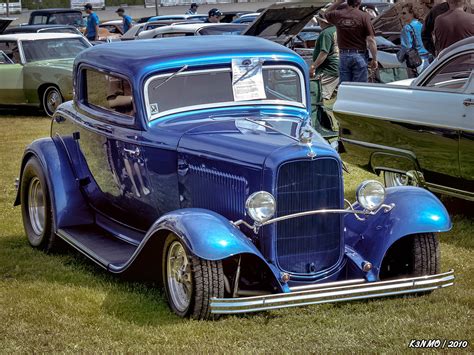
309,245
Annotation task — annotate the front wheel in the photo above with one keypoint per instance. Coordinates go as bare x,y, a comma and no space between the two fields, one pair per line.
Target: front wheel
51,99
392,179
190,282
411,256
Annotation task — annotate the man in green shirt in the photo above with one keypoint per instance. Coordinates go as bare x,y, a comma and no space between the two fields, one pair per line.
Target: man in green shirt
324,73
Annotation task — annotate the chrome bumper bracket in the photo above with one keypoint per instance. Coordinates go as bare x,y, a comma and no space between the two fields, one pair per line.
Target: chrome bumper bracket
331,292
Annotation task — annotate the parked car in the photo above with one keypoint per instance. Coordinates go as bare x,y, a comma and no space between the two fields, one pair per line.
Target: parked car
114,27
230,16
189,160
148,26
178,18
56,17
193,29
42,29
36,68
417,132
247,18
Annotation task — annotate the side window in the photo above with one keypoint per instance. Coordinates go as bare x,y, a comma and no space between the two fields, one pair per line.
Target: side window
454,75
165,35
109,92
10,52
39,20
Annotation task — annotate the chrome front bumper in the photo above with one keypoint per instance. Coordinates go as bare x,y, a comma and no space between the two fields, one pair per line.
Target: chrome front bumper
331,292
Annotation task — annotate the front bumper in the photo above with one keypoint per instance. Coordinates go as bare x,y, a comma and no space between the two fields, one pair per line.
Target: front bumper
332,292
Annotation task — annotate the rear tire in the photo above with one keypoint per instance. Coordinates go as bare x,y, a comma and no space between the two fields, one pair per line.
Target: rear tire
190,282
36,207
415,255
51,99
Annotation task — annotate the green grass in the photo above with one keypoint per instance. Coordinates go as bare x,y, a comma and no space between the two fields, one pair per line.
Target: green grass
63,302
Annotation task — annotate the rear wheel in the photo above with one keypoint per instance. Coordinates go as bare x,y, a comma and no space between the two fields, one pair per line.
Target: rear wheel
190,282
51,99
412,256
36,207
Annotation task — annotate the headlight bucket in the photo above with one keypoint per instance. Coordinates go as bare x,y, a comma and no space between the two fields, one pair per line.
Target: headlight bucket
370,195
260,206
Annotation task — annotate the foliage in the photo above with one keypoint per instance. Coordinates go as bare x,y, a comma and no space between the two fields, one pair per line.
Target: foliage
63,302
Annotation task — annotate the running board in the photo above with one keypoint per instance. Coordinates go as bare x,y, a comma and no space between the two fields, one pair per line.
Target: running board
332,292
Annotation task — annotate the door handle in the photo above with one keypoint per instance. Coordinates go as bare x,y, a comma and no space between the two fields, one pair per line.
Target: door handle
468,102
132,152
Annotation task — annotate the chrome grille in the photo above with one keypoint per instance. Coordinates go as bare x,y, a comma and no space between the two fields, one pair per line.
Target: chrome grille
307,245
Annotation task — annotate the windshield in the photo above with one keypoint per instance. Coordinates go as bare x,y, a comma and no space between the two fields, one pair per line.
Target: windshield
66,18
54,48
213,87
222,30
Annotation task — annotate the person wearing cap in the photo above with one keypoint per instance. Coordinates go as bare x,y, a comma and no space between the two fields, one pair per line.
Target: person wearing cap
127,20
324,71
92,28
213,16
192,9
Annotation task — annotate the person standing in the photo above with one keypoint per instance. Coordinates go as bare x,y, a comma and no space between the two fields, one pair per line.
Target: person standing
324,71
453,26
92,28
127,20
192,9
410,37
213,16
428,26
355,34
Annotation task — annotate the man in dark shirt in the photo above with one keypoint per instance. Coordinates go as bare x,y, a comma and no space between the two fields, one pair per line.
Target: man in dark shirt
452,26
428,26
213,16
354,34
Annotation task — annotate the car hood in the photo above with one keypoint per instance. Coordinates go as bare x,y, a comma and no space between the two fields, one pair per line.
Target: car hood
282,20
241,141
65,64
5,22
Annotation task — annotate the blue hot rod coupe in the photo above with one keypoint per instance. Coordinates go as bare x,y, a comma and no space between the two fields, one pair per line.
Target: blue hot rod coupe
190,161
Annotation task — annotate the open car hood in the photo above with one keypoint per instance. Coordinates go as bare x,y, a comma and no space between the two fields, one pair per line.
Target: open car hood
4,22
284,19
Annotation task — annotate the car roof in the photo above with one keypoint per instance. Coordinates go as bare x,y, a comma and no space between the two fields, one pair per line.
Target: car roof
34,28
187,27
37,36
53,11
112,22
169,53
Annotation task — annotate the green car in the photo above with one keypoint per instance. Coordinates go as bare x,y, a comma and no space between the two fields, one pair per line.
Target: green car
36,68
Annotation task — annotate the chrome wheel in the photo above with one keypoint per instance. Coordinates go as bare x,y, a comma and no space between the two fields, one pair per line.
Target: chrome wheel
397,179
36,206
178,275
51,100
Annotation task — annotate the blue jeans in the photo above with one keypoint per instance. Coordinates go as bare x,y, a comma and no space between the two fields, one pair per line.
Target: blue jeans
353,67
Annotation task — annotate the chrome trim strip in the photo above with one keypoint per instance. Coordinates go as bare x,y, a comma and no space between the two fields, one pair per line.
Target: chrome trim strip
466,195
332,292
224,104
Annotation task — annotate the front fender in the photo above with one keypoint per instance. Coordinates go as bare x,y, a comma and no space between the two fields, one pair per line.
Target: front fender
416,211
68,204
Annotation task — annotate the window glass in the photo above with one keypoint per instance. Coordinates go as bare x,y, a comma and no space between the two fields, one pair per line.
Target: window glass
454,75
222,30
66,18
10,49
216,87
40,19
109,92
54,48
177,34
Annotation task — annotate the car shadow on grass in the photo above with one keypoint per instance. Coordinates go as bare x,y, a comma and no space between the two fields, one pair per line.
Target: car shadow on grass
22,111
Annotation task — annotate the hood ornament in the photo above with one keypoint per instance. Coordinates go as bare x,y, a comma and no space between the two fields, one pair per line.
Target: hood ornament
306,138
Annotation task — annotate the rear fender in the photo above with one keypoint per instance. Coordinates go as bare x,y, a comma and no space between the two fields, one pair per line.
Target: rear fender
415,210
69,205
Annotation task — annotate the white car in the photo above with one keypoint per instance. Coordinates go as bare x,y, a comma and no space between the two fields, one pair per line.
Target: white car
193,29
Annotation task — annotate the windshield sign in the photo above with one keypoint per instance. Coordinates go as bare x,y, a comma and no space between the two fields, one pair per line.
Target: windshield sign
55,48
176,91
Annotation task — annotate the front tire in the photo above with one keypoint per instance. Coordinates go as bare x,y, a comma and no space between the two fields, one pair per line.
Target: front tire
415,255
393,179
190,282
51,99
36,207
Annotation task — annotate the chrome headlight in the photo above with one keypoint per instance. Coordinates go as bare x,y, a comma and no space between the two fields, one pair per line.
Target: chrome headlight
260,206
370,195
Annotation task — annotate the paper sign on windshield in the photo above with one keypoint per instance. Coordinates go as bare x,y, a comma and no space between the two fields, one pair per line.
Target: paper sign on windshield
247,79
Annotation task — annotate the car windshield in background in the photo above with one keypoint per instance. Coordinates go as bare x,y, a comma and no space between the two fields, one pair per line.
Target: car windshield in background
215,86
72,18
55,48
223,30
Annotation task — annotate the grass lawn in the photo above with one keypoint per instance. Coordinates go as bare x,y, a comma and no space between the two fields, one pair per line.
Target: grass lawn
64,302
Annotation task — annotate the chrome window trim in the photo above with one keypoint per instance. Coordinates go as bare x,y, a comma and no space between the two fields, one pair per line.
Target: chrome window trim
301,104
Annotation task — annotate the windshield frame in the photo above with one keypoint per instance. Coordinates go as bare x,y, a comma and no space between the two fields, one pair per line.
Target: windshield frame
151,117
23,55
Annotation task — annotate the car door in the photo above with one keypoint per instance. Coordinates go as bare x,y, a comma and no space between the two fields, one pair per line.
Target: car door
11,72
453,79
466,142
